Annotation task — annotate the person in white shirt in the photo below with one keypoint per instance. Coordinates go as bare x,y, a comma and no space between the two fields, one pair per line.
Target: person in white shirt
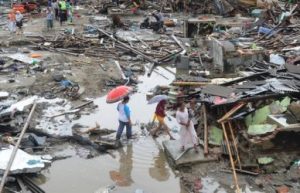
55,9
124,119
19,22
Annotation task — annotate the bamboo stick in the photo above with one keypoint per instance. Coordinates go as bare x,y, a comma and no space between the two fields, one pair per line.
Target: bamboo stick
231,159
235,145
16,147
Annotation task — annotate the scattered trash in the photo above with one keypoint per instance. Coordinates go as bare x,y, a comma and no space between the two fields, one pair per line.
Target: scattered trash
265,160
23,162
261,129
238,60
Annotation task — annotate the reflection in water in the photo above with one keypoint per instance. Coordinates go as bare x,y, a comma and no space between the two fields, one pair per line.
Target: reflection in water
159,171
123,176
40,178
86,176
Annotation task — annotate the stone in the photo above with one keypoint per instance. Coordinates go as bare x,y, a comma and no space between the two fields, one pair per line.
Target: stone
282,189
57,77
259,182
3,94
294,173
172,147
183,63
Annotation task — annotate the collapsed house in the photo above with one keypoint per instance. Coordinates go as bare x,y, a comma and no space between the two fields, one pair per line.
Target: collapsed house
256,103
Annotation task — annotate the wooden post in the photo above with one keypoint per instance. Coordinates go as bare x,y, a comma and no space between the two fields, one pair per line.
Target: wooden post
231,159
205,130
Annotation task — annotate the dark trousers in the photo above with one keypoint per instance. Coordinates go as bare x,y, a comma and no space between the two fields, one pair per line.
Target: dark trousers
63,16
49,23
121,128
56,14
156,26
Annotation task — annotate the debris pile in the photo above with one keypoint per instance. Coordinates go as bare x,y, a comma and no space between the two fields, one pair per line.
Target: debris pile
240,65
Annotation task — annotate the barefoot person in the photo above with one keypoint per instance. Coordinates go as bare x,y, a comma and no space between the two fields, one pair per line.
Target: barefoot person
160,115
124,118
187,131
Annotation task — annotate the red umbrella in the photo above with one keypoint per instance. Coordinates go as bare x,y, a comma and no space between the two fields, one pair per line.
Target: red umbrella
118,94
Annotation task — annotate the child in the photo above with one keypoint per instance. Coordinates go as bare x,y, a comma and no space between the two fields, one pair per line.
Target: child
12,22
49,19
19,22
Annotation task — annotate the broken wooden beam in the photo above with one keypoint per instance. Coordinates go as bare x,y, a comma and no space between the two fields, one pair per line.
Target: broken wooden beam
179,44
182,83
205,129
128,47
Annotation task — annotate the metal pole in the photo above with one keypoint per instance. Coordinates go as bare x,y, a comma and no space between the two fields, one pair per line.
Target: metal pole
16,147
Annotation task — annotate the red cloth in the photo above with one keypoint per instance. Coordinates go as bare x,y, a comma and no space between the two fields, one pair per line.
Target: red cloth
160,108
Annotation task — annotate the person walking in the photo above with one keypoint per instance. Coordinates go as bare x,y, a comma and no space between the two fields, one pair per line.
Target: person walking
62,11
136,6
55,9
70,12
49,4
49,19
124,119
12,22
160,115
187,131
19,22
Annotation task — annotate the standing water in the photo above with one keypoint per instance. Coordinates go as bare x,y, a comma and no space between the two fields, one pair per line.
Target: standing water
140,164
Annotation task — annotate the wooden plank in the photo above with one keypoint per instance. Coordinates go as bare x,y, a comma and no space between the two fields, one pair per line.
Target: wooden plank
205,130
231,159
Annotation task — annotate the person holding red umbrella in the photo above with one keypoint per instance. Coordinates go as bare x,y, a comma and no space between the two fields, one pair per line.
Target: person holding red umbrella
115,95
124,118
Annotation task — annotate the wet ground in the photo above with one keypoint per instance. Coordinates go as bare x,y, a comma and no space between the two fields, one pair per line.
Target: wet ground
140,164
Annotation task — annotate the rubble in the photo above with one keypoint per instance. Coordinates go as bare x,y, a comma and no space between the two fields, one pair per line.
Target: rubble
23,163
237,58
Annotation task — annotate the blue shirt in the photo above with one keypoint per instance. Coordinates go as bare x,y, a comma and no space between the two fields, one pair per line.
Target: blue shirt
124,112
49,16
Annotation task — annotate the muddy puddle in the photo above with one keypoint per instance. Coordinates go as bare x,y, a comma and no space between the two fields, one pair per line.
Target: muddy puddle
140,164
